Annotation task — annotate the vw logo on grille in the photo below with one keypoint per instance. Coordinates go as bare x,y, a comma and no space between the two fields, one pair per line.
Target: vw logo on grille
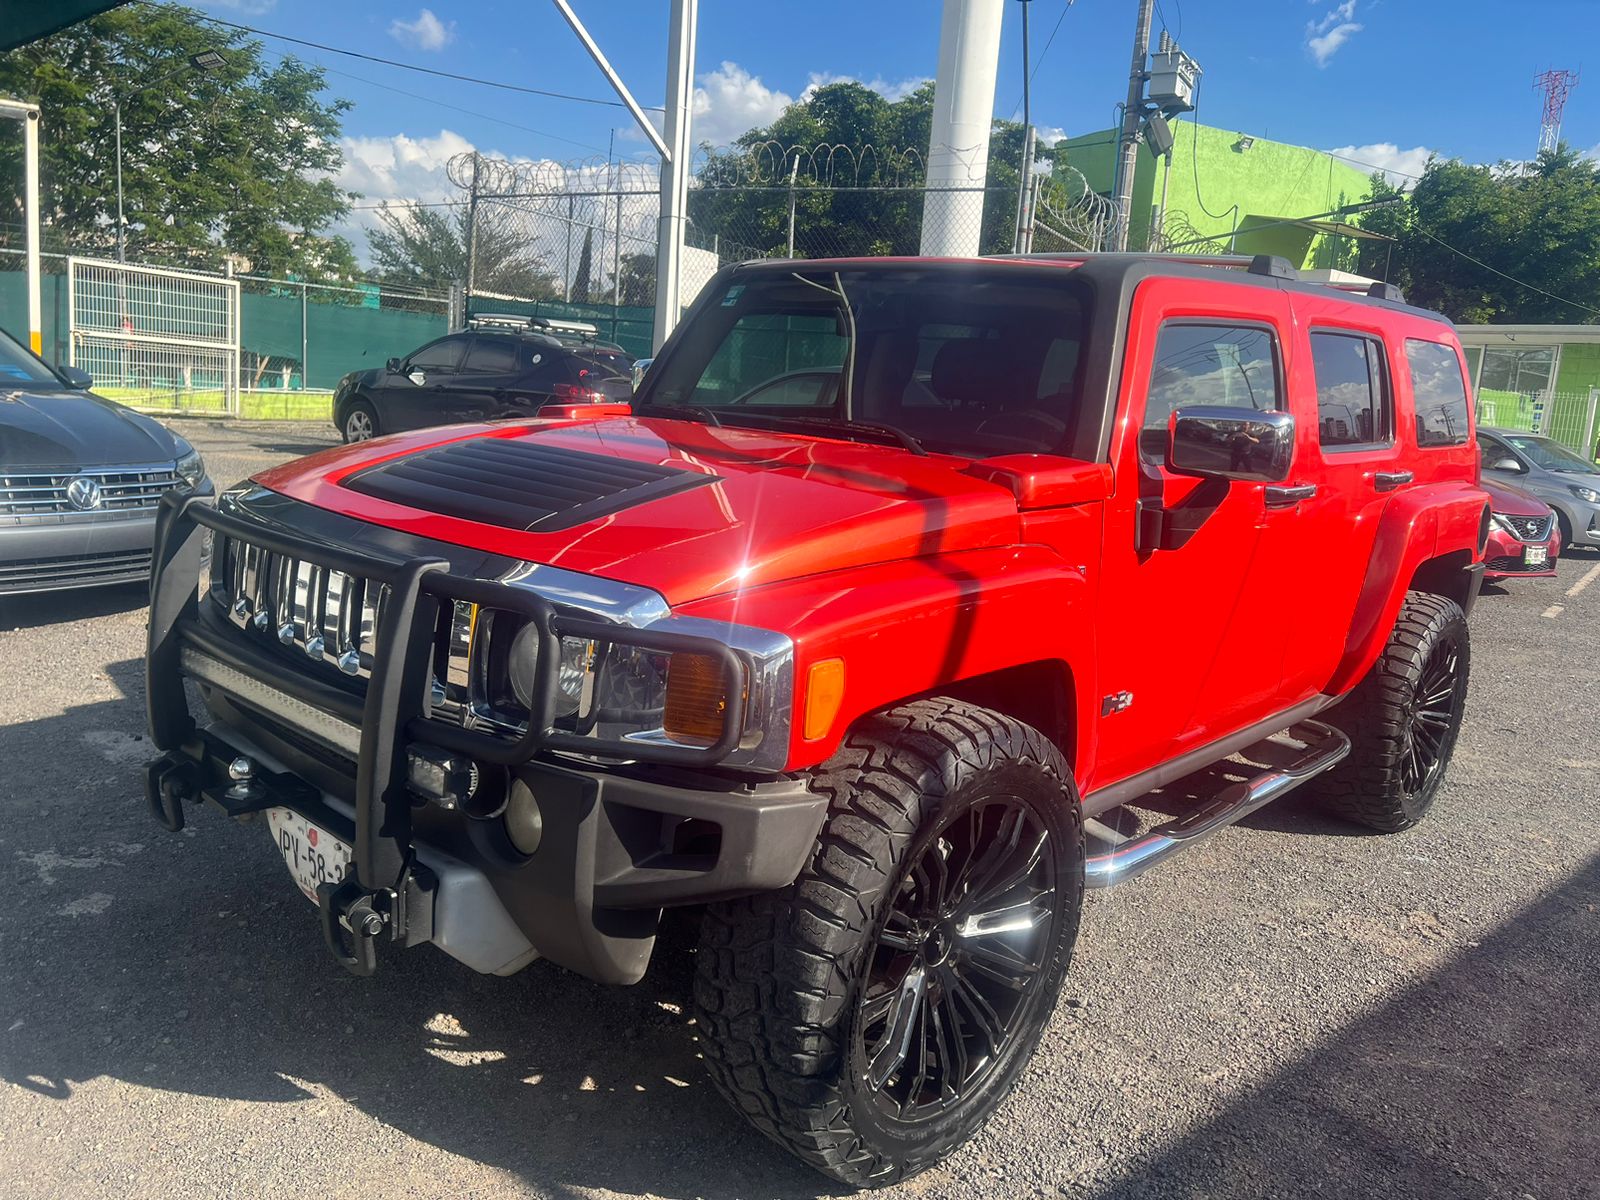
83,493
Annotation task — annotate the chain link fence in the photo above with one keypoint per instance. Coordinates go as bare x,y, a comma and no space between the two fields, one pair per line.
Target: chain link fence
579,239
295,339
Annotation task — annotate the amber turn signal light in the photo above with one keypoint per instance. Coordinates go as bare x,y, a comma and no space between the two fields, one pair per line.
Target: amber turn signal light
697,697
824,695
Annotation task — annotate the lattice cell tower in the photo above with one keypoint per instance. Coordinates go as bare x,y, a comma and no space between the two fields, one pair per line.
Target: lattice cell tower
1556,87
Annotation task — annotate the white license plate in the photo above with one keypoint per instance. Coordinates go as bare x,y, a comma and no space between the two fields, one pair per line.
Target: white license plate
1535,556
313,855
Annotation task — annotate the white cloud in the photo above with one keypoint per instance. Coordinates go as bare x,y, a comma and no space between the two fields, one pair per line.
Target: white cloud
400,169
427,32
730,100
1049,135
889,91
1337,26
1400,167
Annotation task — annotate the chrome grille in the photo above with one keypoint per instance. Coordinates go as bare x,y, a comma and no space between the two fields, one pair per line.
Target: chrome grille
41,497
329,616
1529,529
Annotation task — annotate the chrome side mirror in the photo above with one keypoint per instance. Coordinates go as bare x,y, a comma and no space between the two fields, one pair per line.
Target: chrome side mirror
1506,464
1230,443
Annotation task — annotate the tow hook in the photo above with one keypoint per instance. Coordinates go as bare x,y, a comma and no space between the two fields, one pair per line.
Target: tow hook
352,921
167,784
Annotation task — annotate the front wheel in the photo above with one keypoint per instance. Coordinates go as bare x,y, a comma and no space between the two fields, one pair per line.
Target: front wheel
360,422
1402,719
872,1015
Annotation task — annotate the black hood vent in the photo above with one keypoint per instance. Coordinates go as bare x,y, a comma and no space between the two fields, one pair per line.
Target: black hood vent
520,485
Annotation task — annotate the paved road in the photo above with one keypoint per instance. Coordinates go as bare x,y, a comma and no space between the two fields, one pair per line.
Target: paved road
1292,1009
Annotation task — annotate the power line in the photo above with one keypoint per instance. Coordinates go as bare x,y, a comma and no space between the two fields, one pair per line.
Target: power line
457,108
1511,278
404,66
1038,62
1370,166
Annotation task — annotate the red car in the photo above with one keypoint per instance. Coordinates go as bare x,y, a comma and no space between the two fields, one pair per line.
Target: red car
1523,536
899,579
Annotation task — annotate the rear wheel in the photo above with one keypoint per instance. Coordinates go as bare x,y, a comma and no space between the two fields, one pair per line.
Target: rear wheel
360,422
1402,719
873,1014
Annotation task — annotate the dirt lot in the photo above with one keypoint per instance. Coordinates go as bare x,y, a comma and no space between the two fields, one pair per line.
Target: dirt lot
1294,1008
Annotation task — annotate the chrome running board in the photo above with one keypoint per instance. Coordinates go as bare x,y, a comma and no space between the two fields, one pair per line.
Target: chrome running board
1324,747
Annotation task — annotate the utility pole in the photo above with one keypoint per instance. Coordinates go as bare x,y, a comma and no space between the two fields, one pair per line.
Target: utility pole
963,113
1128,139
1025,170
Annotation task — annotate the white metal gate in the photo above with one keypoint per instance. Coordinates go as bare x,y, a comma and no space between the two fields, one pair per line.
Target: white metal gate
1571,418
154,338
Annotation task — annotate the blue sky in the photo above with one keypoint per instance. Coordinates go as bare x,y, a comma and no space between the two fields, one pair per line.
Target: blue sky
1385,81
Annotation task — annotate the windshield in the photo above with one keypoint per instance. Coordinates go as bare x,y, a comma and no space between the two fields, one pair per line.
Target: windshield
976,362
17,366
1552,456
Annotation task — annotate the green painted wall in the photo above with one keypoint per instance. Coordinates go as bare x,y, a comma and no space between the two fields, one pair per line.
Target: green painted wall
1242,187
1579,369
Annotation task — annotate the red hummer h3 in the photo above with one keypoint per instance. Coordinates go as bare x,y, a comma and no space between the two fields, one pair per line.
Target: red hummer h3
865,635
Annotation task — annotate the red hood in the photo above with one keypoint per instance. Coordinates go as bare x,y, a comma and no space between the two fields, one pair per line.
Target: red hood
1513,501
783,506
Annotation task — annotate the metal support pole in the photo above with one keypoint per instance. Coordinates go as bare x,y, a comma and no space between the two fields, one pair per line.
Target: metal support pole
122,225
1589,431
616,250
566,266
1159,233
472,243
30,172
1024,192
794,173
1128,139
305,367
675,168
1025,169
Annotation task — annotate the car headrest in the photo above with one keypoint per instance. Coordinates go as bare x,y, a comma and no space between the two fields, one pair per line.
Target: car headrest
964,370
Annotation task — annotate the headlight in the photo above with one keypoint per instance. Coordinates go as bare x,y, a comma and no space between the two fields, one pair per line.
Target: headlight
1500,522
573,675
190,467
1587,494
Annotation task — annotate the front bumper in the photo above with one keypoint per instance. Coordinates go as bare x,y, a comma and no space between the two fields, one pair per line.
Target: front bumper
1505,556
617,843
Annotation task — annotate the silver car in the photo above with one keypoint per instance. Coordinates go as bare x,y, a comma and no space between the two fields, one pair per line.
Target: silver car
80,478
1566,481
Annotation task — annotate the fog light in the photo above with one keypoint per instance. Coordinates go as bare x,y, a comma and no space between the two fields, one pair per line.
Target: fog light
524,822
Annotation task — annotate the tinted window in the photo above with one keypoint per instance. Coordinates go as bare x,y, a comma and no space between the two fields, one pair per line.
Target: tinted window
492,356
1352,392
1440,394
1222,365
442,355
977,362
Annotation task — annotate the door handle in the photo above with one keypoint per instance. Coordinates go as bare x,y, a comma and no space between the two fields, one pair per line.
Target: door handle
1288,495
1387,481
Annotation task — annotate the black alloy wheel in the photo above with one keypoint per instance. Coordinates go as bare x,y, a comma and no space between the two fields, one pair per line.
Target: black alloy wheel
955,965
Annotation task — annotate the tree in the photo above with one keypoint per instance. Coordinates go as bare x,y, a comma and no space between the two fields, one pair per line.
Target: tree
636,279
884,218
427,248
237,161
580,277
1509,243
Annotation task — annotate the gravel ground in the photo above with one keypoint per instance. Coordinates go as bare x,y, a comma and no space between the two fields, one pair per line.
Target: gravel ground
1294,1008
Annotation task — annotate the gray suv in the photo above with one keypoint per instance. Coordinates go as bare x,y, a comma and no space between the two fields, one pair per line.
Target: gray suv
80,478
1564,480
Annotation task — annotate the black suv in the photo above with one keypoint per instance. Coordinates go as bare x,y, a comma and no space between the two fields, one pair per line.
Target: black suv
481,374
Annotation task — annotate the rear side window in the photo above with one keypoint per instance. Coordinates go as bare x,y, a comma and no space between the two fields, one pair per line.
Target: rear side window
1227,366
492,356
1353,406
1441,394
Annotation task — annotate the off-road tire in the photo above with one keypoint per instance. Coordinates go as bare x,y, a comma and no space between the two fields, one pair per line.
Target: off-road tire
781,977
366,410
1380,717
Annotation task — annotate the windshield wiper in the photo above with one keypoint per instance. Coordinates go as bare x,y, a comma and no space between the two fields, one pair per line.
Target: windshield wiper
683,412
898,436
